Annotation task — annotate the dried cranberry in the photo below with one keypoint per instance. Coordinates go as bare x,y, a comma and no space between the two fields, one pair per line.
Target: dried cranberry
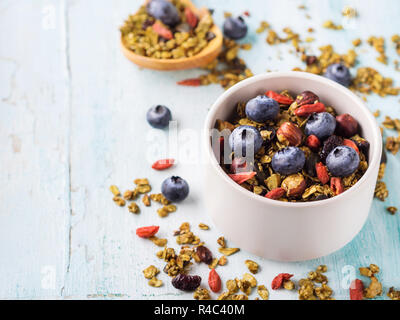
186,282
329,144
311,161
204,254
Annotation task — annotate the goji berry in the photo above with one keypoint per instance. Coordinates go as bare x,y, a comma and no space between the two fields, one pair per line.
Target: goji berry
313,142
275,194
307,109
279,279
163,164
214,281
279,97
191,18
241,176
147,232
337,185
351,144
193,82
322,172
356,290
162,31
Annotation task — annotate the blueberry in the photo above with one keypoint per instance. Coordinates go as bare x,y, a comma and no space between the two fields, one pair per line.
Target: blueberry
244,138
165,11
175,189
342,161
339,73
262,108
320,124
235,28
159,116
288,160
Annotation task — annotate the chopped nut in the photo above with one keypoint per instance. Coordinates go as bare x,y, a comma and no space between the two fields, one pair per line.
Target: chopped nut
203,226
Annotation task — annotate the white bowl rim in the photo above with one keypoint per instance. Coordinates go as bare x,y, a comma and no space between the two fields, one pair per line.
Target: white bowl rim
373,161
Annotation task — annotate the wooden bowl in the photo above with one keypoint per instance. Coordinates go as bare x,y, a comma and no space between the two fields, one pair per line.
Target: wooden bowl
204,57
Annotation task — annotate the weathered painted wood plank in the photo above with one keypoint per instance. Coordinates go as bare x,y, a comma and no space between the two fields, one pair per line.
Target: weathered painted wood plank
98,102
34,206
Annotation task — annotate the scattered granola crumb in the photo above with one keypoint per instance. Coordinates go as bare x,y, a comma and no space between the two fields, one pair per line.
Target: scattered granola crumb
377,113
228,251
119,201
391,210
146,200
393,294
201,294
357,42
263,292
150,272
115,191
222,261
203,226
349,12
381,192
221,242
330,25
379,44
264,25
252,266
133,207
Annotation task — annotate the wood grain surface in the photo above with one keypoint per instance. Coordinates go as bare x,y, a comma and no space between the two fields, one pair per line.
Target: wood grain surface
72,122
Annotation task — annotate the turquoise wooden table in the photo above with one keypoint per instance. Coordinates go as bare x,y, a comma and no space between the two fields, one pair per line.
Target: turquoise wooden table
72,122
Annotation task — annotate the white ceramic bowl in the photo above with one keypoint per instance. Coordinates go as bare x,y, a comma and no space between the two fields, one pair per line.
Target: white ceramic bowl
281,230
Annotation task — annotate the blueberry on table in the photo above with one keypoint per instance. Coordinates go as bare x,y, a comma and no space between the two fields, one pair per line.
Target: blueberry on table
339,73
159,116
245,139
342,161
288,160
175,189
320,124
262,108
165,11
235,28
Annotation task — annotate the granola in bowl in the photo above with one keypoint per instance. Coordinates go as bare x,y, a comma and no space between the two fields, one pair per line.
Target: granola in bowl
164,29
290,147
